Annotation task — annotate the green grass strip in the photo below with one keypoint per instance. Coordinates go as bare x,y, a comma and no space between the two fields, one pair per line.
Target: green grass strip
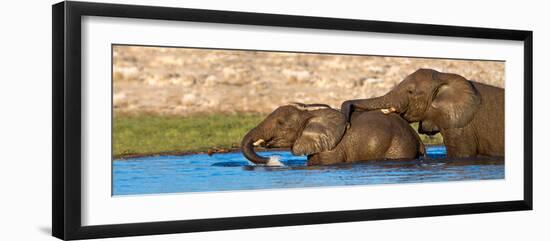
144,135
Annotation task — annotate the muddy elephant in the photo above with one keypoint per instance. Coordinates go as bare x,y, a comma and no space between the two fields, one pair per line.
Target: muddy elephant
323,134
469,115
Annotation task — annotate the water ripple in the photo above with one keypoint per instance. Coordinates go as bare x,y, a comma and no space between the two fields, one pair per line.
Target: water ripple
231,171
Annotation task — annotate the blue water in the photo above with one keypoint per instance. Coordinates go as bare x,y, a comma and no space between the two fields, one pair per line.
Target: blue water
231,171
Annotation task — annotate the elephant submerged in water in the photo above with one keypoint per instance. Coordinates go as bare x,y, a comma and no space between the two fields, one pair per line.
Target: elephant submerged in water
323,134
469,115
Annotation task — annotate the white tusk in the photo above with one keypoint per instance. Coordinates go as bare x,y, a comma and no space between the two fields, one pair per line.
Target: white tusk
388,111
258,142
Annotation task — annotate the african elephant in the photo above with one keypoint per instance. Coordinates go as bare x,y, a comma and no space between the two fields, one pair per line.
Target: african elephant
469,115
322,134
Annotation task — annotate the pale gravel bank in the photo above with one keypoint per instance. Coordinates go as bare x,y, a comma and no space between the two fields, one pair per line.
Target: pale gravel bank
180,81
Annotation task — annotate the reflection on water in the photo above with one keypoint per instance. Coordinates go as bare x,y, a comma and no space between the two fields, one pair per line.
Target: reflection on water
231,171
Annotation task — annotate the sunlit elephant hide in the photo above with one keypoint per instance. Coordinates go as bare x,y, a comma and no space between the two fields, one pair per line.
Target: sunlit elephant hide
469,115
323,134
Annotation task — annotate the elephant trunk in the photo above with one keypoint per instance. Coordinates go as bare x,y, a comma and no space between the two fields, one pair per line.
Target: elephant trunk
388,103
247,147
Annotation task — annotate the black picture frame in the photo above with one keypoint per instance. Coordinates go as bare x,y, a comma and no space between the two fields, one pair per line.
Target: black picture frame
66,75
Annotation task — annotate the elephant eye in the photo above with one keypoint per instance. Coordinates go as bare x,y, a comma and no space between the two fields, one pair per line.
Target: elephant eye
410,91
280,122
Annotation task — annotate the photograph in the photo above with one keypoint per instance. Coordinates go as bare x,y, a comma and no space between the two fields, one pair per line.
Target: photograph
172,119
192,119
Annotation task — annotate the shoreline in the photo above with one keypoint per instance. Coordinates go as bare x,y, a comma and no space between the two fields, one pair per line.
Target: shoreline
209,152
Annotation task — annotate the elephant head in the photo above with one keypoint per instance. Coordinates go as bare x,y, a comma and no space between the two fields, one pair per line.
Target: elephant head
305,129
436,100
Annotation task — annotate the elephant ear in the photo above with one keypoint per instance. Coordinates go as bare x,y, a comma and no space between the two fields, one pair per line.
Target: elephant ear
322,132
455,101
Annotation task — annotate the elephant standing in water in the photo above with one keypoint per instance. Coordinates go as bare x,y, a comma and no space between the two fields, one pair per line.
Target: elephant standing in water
323,134
469,115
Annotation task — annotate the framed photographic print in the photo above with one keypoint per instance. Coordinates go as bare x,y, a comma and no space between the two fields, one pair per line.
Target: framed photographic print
170,120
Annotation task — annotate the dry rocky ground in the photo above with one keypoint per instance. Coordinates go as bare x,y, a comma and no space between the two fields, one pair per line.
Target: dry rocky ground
182,82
